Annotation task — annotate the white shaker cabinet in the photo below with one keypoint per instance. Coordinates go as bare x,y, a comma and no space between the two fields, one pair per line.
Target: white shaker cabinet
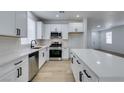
56,28
16,71
21,23
76,27
47,31
13,23
65,29
42,57
7,23
40,30
65,53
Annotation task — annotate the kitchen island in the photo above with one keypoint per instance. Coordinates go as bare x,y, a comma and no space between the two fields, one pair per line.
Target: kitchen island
91,65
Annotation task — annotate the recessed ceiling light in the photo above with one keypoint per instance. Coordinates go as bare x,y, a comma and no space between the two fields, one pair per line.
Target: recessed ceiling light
98,26
57,15
77,15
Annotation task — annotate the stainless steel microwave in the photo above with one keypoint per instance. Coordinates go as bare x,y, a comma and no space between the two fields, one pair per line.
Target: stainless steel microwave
56,35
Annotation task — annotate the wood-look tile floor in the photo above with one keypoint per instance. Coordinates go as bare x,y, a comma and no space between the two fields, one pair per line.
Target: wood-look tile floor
55,71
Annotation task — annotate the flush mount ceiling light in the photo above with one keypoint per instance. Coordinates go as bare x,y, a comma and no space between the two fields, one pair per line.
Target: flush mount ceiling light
57,15
98,26
77,15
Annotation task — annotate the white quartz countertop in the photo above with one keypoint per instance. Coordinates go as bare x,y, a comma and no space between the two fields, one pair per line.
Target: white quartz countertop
106,66
10,56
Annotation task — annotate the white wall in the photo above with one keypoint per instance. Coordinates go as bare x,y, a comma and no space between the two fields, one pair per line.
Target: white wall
117,40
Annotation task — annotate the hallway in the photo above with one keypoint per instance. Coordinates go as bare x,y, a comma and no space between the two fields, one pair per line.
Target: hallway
55,71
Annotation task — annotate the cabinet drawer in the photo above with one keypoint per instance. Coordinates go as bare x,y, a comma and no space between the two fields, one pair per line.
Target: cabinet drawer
89,76
11,65
10,76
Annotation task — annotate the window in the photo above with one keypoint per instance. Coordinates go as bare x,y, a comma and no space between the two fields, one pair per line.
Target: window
108,37
30,33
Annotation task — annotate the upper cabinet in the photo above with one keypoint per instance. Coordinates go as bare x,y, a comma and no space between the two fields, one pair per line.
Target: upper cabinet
47,31
40,30
21,23
56,28
7,23
76,27
13,23
65,29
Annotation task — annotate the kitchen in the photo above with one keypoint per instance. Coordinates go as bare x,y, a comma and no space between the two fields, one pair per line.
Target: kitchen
61,46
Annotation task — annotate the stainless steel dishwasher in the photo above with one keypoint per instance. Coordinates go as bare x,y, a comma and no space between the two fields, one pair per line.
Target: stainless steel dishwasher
33,64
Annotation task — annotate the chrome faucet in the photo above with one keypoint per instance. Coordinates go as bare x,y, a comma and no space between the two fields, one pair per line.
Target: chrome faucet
32,43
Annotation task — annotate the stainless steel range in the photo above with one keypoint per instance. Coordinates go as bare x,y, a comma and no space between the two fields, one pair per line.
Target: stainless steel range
55,51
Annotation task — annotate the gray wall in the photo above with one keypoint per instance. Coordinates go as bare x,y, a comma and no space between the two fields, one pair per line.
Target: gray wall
117,40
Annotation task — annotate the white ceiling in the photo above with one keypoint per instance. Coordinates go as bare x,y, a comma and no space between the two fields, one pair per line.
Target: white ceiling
106,19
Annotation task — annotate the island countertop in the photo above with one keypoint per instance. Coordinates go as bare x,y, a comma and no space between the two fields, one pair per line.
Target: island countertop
106,66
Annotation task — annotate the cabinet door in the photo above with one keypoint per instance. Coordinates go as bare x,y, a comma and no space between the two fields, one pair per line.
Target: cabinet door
11,76
42,58
46,54
56,28
47,31
21,23
65,53
39,34
74,68
7,23
23,70
64,31
75,27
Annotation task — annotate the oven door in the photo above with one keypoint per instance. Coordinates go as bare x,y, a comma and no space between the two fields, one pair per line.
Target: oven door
55,54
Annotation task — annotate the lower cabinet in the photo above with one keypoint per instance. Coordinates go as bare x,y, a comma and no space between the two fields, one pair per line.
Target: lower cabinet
65,53
81,72
43,56
11,76
17,71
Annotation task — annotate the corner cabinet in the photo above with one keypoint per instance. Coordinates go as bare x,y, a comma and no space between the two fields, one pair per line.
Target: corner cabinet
16,71
13,23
